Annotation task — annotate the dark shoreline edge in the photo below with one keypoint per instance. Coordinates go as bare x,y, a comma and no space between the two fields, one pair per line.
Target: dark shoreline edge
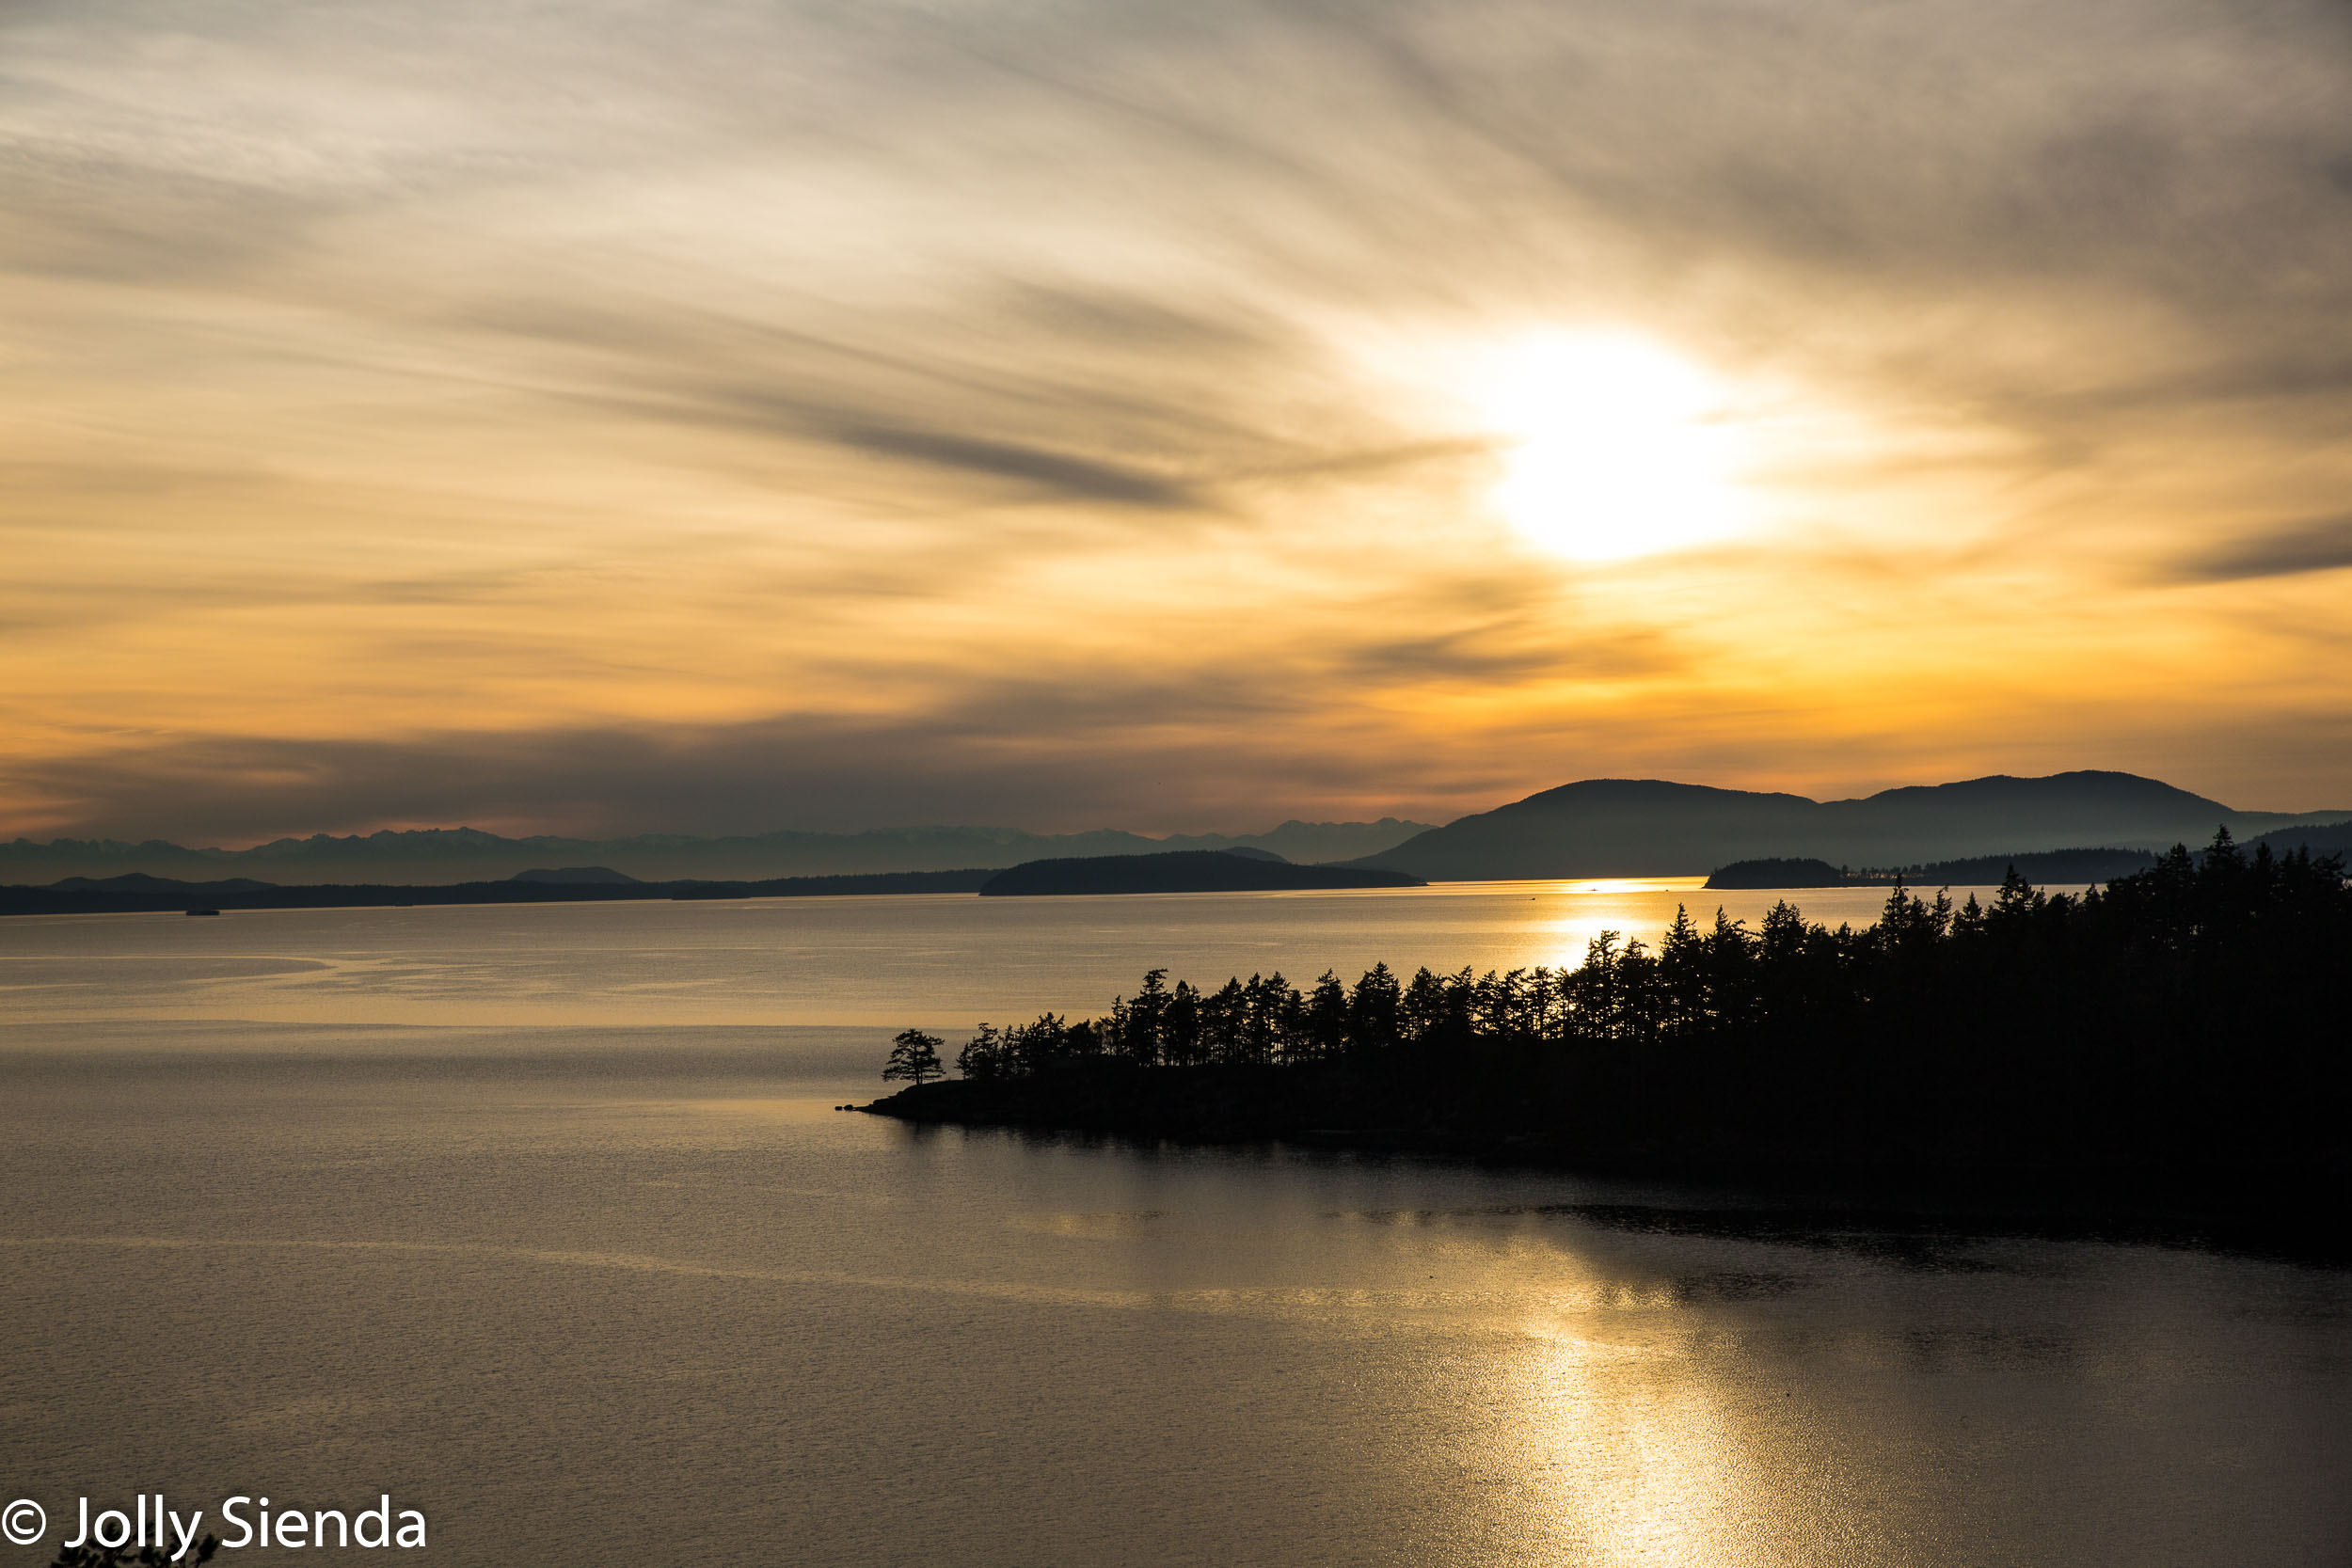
162,896
2294,1213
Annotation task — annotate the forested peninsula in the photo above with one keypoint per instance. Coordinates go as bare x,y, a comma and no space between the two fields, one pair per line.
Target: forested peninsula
2184,1028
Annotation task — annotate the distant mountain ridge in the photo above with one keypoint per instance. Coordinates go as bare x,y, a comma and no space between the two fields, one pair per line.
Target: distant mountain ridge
438,856
1656,828
1593,828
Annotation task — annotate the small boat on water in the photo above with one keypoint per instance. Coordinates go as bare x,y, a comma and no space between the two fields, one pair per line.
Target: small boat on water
203,912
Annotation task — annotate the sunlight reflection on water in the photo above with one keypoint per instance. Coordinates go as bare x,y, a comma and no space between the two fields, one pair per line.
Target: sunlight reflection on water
533,1228
946,960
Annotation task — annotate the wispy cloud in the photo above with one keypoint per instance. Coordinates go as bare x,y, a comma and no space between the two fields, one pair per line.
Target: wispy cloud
2314,545
753,413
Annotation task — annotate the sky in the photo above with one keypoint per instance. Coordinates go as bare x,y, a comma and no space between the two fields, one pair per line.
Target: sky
600,418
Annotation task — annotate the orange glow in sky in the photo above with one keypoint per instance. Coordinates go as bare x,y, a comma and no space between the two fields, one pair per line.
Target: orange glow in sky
744,417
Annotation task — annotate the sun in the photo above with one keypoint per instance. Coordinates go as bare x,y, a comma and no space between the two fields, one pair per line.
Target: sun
1615,446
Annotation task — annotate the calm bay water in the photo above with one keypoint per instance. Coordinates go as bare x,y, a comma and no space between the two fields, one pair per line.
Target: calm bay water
538,1218
946,961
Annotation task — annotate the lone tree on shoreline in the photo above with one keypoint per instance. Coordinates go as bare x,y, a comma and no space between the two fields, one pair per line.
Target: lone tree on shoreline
915,1057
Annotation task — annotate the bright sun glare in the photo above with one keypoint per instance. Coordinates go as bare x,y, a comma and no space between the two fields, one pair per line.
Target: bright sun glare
1617,447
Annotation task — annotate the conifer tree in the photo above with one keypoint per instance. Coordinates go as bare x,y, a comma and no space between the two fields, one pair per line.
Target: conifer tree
915,1057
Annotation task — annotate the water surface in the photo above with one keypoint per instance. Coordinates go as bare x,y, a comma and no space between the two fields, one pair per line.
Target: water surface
539,1219
947,960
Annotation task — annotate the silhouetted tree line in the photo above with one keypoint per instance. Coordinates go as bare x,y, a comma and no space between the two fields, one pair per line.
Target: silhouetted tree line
2191,1015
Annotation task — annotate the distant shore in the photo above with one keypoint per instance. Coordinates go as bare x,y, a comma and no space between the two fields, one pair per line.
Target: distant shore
136,894
1178,871
1181,871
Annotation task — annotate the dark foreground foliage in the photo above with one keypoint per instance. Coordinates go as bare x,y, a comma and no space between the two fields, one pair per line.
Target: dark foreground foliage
2187,1022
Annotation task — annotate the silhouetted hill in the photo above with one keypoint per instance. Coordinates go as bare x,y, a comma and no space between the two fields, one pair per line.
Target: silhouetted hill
1651,827
132,883
2333,839
573,874
438,856
1180,871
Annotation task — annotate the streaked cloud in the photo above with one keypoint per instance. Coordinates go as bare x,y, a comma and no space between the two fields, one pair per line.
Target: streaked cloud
747,415
2316,544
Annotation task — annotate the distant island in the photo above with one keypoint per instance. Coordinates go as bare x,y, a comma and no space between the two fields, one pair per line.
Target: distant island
1179,871
2180,1033
452,856
575,874
1182,871
1772,872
